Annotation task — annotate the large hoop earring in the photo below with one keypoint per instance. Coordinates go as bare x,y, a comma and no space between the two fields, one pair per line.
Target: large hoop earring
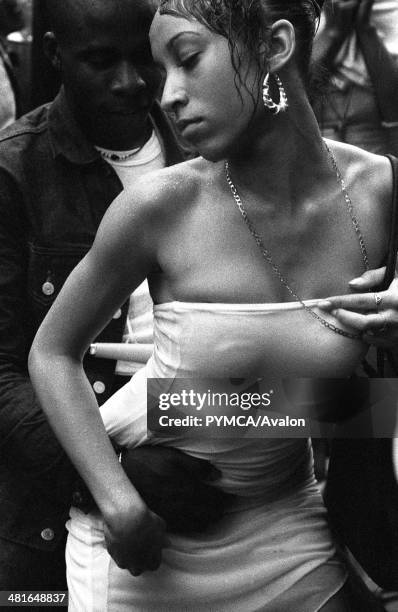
272,106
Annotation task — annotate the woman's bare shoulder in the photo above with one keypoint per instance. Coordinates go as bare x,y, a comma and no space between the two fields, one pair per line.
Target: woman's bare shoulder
368,180
169,188
371,171
139,213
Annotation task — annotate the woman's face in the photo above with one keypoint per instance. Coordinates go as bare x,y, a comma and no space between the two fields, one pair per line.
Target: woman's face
201,85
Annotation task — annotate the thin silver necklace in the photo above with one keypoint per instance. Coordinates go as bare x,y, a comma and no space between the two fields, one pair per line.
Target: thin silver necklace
268,258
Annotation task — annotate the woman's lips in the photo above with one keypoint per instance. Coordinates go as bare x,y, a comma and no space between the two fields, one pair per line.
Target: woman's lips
186,126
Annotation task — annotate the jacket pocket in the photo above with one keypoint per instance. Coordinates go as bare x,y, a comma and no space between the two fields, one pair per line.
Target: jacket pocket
49,267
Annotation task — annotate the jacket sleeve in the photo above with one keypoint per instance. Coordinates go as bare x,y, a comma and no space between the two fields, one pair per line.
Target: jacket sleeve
26,439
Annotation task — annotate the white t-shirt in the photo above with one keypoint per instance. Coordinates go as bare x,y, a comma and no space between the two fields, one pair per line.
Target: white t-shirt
137,161
139,324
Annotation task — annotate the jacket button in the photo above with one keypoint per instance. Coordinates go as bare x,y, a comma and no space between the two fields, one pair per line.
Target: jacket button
48,288
99,387
47,534
117,314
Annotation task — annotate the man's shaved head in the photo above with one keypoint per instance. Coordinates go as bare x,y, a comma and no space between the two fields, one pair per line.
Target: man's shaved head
64,17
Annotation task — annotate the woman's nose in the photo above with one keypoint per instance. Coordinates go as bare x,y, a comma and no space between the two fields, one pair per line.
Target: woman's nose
174,95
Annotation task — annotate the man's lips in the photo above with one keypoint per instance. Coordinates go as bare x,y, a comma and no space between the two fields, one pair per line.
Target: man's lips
128,109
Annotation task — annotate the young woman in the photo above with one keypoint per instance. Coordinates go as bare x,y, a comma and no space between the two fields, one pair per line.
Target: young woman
240,247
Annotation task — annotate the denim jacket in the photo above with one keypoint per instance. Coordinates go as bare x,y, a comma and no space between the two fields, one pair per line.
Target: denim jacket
54,191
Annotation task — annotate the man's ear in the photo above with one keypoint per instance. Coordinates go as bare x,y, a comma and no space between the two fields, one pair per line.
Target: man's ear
51,50
283,44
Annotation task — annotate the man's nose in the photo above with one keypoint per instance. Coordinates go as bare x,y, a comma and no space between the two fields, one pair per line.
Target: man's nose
127,79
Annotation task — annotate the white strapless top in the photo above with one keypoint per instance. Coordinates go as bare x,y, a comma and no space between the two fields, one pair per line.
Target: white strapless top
250,341
246,340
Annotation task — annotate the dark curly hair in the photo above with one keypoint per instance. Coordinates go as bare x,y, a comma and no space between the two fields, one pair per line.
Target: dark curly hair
249,23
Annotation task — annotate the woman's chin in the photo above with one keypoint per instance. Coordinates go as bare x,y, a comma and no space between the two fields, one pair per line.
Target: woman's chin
212,154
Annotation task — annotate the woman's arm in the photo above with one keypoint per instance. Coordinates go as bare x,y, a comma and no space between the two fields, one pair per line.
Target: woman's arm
121,257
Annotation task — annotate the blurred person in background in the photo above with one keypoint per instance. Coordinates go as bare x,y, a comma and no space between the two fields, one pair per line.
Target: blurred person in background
11,19
357,43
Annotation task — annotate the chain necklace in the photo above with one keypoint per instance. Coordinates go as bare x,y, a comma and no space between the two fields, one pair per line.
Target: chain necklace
119,157
267,256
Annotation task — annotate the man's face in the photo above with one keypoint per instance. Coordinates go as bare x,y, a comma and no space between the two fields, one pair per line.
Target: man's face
107,68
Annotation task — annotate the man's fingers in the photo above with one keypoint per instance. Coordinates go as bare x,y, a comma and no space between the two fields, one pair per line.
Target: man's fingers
361,322
368,280
150,564
136,543
366,302
377,329
374,314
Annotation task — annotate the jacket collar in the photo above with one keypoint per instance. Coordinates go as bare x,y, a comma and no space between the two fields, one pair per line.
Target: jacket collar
67,139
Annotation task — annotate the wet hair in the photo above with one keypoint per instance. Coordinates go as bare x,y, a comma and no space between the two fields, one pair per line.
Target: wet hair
249,23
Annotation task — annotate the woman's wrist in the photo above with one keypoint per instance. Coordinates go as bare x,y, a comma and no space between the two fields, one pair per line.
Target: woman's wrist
116,513
121,500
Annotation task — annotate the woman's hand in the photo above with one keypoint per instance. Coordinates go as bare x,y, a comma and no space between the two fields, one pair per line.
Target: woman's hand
134,538
374,313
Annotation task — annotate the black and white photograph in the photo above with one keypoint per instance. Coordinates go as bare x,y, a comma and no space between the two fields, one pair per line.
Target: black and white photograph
199,305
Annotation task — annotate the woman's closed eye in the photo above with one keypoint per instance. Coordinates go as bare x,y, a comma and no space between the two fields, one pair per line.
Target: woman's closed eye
189,61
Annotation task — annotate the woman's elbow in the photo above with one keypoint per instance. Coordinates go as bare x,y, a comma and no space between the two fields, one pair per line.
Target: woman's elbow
46,356
38,358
